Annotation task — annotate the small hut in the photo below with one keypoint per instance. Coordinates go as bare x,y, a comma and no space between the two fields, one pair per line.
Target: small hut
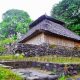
51,31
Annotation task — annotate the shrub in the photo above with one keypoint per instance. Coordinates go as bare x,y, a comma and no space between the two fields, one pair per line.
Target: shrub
53,46
6,74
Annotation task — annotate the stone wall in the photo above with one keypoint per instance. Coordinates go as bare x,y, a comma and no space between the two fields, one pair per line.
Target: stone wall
39,50
70,69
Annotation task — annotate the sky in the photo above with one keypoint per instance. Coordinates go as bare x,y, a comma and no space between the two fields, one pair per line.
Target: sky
34,8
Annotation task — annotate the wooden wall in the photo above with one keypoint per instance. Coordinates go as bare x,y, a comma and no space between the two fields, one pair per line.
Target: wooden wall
53,40
37,40
59,41
77,44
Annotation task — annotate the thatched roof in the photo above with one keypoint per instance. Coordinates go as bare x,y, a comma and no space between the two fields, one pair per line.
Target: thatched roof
41,18
50,26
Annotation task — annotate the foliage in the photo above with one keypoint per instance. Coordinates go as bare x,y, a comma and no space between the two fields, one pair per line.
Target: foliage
73,77
63,77
14,21
53,46
69,12
3,43
6,74
12,57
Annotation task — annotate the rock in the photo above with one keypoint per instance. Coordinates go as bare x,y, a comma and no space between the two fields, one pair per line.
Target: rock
78,78
53,77
75,72
30,74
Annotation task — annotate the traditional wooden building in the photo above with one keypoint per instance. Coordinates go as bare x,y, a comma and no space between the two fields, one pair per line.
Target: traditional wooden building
49,30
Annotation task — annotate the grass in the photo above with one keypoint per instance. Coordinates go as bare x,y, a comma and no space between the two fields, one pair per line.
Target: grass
74,77
6,74
52,59
11,57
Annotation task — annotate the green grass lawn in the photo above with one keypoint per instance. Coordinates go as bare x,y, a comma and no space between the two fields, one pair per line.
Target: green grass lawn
6,74
53,59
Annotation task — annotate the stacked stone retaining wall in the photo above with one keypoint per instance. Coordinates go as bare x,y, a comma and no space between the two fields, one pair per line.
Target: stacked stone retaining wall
39,50
71,69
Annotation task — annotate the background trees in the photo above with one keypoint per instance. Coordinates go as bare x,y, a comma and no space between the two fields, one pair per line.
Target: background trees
69,12
14,21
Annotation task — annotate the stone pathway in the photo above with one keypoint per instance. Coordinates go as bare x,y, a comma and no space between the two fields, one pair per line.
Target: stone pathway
30,74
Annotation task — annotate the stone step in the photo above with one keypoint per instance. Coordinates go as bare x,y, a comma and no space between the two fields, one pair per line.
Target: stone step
29,74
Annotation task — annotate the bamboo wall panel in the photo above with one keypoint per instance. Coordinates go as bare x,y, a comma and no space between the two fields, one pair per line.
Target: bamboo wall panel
37,40
59,41
42,38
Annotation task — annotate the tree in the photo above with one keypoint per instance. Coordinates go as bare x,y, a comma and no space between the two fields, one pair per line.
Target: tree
69,12
4,43
14,21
